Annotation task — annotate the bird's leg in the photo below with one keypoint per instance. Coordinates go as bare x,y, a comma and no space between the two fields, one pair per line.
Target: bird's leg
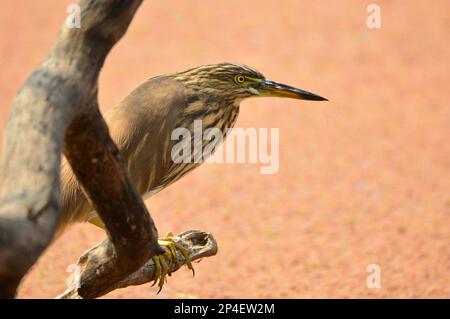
170,247
95,220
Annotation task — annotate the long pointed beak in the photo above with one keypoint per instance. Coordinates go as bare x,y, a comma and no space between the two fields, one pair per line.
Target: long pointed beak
270,88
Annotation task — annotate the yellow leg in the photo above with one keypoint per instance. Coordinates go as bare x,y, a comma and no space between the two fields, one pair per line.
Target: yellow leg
171,247
97,222
161,267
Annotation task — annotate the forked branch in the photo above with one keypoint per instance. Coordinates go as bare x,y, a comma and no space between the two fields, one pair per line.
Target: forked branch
57,108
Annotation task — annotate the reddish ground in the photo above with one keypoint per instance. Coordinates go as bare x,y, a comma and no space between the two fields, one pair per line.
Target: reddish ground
364,179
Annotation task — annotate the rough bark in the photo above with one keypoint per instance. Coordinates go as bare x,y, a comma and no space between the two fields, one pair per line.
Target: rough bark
61,94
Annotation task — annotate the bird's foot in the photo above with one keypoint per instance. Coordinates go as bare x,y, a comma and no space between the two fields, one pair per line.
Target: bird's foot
161,266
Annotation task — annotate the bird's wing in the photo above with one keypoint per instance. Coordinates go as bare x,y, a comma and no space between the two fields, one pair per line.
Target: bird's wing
141,126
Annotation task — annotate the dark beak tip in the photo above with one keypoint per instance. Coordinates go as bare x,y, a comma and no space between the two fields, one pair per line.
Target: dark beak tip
314,97
311,96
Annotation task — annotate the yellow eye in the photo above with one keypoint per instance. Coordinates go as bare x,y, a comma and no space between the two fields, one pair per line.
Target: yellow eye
239,79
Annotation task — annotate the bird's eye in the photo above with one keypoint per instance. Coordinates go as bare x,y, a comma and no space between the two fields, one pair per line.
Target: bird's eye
239,79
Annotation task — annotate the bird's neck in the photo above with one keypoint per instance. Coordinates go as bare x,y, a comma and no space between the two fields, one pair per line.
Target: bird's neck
222,114
213,110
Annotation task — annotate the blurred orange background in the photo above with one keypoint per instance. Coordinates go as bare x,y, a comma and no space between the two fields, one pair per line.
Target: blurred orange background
363,179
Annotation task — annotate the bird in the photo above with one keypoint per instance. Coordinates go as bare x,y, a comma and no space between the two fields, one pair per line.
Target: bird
142,123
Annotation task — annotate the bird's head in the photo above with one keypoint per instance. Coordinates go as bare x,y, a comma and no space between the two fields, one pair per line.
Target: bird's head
229,81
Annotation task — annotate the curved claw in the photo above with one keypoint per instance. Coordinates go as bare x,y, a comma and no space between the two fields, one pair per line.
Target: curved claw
165,271
157,269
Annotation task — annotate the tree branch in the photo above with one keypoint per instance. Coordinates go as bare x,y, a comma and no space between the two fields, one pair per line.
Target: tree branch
199,244
61,89
132,235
